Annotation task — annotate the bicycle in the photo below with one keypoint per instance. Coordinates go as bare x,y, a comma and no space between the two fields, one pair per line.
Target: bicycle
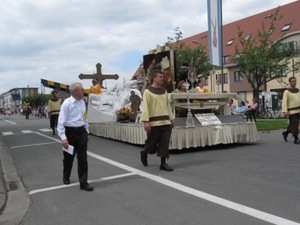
264,113
268,113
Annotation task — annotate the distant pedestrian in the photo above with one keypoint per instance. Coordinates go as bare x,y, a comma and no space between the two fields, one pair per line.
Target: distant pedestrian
53,110
291,109
73,130
231,105
46,112
158,121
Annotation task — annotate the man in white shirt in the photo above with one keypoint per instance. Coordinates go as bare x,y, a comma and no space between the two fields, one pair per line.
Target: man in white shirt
73,130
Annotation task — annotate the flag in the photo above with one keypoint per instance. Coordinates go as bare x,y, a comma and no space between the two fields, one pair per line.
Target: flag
214,8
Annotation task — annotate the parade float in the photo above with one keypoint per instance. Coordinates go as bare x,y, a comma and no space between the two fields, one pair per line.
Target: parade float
200,127
197,129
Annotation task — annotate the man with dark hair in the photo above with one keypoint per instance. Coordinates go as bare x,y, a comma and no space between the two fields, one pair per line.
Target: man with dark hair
53,110
158,121
291,109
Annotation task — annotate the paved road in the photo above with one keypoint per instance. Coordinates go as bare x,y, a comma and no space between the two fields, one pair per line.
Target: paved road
247,183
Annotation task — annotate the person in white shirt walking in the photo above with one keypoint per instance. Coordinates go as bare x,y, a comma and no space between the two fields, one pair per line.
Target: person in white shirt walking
73,130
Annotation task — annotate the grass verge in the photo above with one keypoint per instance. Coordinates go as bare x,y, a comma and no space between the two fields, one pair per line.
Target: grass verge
268,125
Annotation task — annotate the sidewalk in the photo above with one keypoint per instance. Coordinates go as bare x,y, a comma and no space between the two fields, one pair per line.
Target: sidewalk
14,199
3,191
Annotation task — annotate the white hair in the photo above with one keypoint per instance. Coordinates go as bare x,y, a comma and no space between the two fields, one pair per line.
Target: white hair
73,87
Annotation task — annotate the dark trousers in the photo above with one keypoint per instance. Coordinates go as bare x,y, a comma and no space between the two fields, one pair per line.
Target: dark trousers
293,124
77,137
53,121
158,140
250,113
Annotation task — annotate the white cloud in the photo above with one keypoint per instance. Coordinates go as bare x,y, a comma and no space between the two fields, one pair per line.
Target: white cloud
58,40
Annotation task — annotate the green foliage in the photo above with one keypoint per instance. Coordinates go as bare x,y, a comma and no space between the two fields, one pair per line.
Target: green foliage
274,124
184,54
36,100
261,59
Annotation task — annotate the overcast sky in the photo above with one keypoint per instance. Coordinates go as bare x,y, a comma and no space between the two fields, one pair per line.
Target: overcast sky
59,39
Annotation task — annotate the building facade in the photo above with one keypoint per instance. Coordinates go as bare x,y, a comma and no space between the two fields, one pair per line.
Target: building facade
287,30
12,99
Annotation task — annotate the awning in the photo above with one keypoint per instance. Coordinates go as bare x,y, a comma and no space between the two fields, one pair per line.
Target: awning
60,86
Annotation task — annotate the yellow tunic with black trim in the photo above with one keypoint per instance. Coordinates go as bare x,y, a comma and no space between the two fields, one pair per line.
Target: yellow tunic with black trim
54,106
156,107
291,101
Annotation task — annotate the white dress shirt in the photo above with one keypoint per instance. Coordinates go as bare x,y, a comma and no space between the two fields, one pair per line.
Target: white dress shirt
71,114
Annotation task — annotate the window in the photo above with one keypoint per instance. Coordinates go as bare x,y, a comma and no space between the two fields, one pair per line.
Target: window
279,71
268,16
223,79
206,82
288,48
237,76
286,27
270,31
226,59
230,42
242,96
247,37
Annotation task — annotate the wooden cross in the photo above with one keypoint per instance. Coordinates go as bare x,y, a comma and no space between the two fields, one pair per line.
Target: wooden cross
98,76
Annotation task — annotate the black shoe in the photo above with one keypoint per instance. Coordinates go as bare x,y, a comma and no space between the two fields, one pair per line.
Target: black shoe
53,133
144,158
297,141
165,167
87,188
285,135
66,181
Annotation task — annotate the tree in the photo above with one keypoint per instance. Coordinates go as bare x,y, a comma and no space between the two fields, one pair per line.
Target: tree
262,59
36,100
184,54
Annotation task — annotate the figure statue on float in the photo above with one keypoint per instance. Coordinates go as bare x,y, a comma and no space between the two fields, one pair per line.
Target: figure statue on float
114,98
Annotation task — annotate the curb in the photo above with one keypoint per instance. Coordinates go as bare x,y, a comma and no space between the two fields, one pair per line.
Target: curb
17,199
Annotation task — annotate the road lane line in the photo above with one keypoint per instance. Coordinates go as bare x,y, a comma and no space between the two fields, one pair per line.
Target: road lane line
46,130
27,131
7,133
7,121
23,146
77,183
211,198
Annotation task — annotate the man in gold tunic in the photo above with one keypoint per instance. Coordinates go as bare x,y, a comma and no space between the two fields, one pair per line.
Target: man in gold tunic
291,109
53,110
158,121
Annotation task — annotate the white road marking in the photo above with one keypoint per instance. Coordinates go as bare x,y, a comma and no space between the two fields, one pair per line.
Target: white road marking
7,133
77,183
8,121
45,130
220,201
26,131
23,146
211,198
